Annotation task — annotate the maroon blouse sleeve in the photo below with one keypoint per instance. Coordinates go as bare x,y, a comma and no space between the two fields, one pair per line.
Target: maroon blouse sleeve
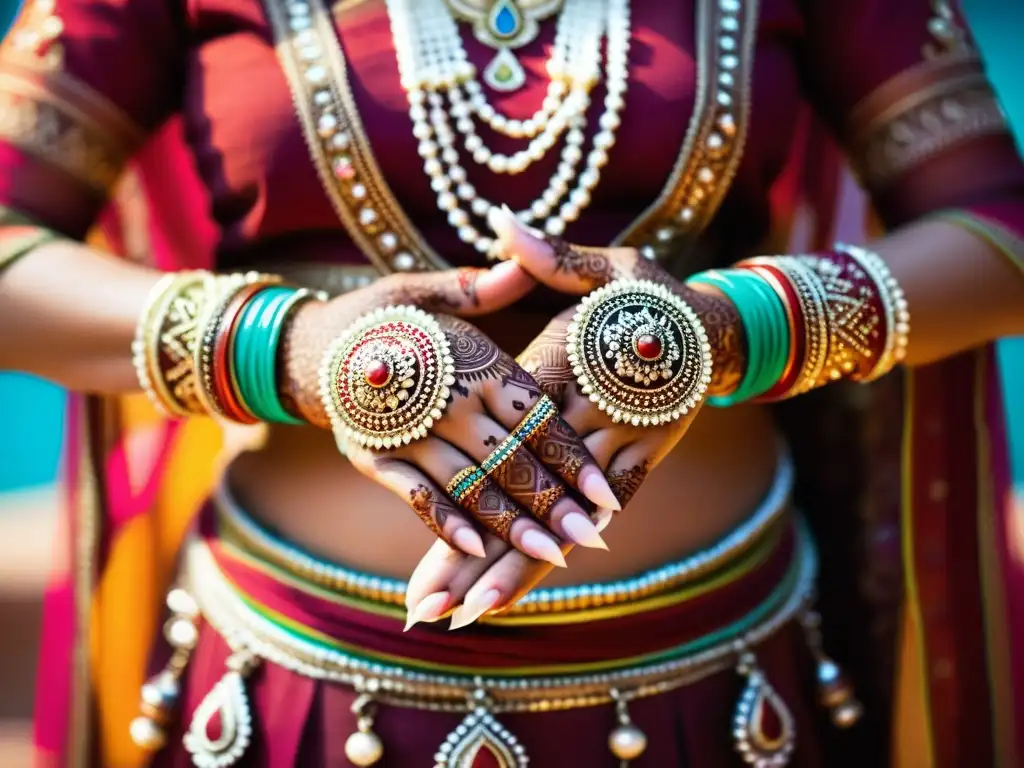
82,83
903,87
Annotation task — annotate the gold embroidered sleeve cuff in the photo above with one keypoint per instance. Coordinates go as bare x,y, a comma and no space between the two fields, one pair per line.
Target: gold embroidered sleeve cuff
386,380
640,352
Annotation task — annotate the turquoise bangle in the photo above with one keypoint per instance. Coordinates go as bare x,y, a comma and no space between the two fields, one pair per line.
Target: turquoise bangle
255,352
766,328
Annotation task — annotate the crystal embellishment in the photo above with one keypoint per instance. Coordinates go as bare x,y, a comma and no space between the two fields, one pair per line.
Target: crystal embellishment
480,741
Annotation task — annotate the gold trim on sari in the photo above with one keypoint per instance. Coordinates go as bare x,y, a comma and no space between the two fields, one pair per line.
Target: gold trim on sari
918,114
66,124
713,147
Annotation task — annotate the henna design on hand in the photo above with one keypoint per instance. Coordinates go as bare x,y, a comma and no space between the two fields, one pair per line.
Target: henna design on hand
493,508
627,482
527,482
477,358
431,509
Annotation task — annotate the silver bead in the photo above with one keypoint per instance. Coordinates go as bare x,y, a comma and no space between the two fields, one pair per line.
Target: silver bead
181,633
181,602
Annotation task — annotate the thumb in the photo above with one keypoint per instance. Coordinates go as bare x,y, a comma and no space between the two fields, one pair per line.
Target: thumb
465,292
552,261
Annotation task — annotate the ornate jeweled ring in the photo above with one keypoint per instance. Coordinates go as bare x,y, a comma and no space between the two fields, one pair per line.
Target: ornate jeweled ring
386,380
464,482
639,352
540,414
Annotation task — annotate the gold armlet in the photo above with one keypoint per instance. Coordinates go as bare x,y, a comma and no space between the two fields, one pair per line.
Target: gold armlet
59,120
919,114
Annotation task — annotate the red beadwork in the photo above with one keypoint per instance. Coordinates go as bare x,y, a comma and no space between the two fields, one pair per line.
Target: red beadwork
377,373
343,169
648,346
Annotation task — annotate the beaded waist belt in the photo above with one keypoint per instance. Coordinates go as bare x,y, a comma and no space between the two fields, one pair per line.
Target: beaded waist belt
241,533
779,571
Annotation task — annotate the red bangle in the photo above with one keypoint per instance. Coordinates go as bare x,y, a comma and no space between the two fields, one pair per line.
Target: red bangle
224,388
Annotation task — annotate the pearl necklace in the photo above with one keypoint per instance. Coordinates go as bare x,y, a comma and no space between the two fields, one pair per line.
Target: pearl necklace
432,63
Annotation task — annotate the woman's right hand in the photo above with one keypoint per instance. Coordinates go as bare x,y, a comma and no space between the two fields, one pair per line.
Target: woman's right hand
491,395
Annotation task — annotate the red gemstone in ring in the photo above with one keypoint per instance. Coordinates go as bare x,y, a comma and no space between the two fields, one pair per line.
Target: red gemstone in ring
377,373
648,346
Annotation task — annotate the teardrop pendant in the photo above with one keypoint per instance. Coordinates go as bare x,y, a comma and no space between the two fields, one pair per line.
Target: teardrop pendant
505,20
480,741
221,727
763,726
504,72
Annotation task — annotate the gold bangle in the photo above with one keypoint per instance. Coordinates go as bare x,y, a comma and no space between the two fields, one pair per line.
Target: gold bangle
165,339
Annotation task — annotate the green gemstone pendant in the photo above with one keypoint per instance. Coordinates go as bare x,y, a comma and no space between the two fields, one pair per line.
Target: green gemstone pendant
504,72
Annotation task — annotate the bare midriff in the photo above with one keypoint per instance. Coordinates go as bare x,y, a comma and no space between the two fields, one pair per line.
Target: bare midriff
298,484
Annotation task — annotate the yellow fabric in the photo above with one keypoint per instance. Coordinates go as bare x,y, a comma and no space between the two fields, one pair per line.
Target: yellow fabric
911,743
139,570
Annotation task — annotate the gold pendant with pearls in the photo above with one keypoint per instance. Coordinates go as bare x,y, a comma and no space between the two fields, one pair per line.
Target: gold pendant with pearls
504,25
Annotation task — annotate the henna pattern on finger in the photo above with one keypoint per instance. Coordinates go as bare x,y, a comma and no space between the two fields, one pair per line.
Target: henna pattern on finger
591,266
547,360
467,284
524,478
493,508
626,482
560,449
432,509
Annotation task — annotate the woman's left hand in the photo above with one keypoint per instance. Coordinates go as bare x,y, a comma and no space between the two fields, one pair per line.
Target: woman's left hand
625,452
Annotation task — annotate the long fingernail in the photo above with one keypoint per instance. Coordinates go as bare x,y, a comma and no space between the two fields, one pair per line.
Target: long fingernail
601,518
430,608
593,484
502,221
579,528
541,546
469,541
474,608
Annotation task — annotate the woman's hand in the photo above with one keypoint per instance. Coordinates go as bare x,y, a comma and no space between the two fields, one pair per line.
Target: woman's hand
490,396
626,453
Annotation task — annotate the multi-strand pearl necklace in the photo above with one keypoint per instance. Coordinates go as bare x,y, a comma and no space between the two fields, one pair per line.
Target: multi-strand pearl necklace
433,64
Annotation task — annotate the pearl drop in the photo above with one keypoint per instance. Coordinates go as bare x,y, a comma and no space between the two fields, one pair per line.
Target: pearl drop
147,734
180,601
364,748
627,742
181,633
403,261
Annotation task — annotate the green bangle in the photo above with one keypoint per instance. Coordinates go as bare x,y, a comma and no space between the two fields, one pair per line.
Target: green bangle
255,351
766,329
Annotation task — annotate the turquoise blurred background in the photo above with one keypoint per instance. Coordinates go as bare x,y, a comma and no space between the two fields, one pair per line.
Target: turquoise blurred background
30,410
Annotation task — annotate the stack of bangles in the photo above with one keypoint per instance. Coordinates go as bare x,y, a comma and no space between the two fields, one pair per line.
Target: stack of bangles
812,319
207,345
